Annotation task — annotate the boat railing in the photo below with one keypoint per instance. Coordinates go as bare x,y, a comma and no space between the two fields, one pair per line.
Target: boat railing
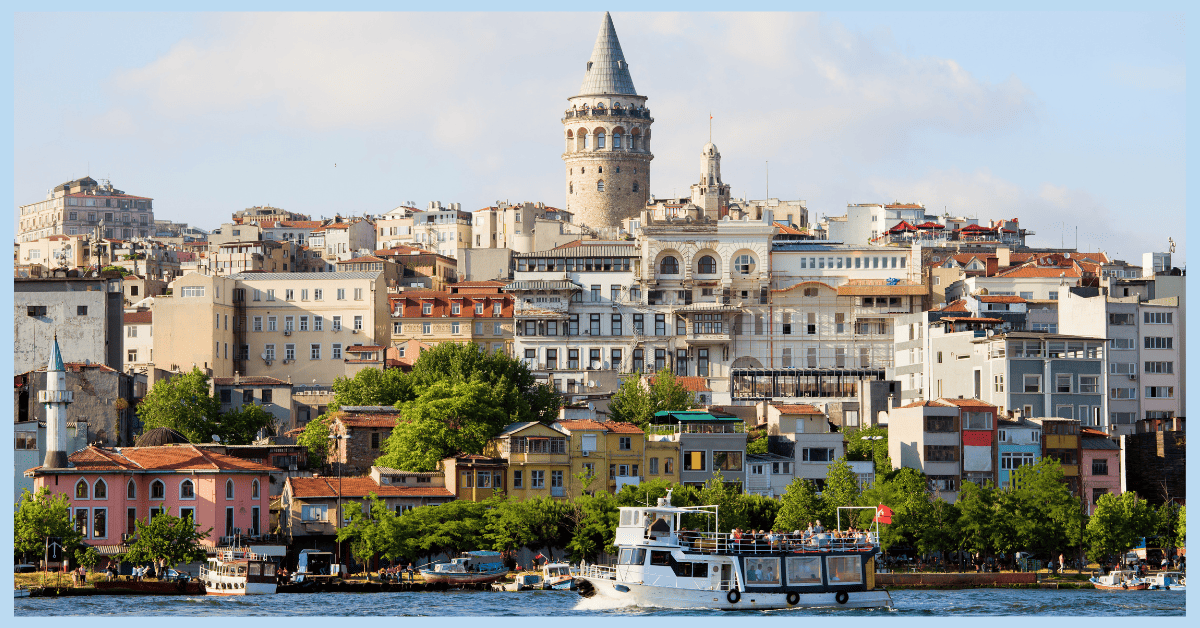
693,584
599,572
723,543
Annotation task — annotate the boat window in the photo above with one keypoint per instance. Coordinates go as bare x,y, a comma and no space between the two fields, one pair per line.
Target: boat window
762,571
634,557
255,569
626,517
660,558
804,570
844,569
626,557
269,570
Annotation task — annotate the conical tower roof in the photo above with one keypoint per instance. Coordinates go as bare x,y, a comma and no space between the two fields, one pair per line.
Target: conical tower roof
607,72
56,361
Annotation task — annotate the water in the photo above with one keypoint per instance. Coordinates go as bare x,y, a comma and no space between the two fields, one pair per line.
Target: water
914,603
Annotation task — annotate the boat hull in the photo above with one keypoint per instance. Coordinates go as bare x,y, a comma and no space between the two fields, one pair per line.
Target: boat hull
462,578
239,589
669,597
1141,586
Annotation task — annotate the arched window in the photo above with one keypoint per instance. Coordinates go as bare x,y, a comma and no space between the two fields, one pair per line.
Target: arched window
584,139
599,140
600,169
570,188
635,186
616,140
81,489
158,490
669,266
600,185
228,489
131,490
187,490
100,491
582,170
744,264
254,490
707,265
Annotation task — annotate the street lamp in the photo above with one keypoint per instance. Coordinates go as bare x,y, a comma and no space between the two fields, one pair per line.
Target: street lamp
337,522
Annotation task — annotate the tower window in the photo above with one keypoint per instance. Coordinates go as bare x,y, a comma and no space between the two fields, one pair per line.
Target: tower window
583,170
616,140
635,186
570,188
600,169
600,140
618,167
600,185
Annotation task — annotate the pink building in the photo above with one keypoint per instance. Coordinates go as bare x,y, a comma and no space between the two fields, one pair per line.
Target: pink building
1101,466
110,488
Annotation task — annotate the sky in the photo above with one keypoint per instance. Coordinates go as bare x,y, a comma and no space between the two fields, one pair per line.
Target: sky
1071,122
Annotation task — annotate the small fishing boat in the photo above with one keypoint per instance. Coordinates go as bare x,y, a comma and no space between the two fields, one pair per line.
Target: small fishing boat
524,582
1166,581
470,568
238,572
1119,580
557,576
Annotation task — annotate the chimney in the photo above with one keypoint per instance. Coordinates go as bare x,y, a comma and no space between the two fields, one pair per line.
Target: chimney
1004,256
992,266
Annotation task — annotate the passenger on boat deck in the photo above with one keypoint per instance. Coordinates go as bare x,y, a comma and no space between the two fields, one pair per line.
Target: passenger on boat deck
818,529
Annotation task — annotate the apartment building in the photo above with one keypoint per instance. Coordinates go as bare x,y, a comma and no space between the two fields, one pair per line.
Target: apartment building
274,396
710,442
537,459
612,453
1018,443
84,313
394,228
82,206
202,305
482,316
139,340
1062,441
926,435
422,269
1100,466
524,228
442,230
807,436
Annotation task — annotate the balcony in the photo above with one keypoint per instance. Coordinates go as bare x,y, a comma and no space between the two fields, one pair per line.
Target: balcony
692,340
538,458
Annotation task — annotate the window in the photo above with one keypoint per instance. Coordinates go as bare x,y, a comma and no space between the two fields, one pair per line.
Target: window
537,479
258,323
977,420
693,461
1010,461
944,424
1033,384
518,479
455,327
269,352
270,295
1158,342
1120,343
131,490
1160,392
289,351
727,460
1089,384
336,351
187,490
158,490
316,512
669,266
358,294
358,322
660,325
82,489
318,294
272,323
1156,318
600,183
81,521
818,454
341,294
314,352
1062,383
1122,393
1099,466
625,443
100,523
744,264
941,453
707,265
1122,319
303,323
337,323
943,483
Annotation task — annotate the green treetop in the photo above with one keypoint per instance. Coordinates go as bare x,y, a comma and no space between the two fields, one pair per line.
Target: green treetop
637,403
167,541
184,404
39,516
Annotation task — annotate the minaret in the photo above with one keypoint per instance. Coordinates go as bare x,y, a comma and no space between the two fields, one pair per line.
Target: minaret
710,194
607,134
56,397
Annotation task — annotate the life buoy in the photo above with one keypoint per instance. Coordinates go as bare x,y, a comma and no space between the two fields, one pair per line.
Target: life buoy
841,597
793,598
734,596
716,569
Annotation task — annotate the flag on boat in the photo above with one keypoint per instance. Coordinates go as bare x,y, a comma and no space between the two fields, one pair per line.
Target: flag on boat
883,514
539,556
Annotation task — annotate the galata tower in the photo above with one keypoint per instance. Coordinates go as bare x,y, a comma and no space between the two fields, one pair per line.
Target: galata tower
607,131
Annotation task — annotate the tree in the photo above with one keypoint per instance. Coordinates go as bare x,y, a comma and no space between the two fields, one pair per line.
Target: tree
87,557
373,387
636,403
315,439
1044,515
731,512
801,506
906,492
978,515
183,404
240,426
167,541
534,523
43,515
363,529
757,445
841,489
446,419
594,521
1117,524
869,443
761,511
519,395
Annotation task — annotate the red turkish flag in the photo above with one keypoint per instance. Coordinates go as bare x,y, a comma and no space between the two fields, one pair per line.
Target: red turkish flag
883,514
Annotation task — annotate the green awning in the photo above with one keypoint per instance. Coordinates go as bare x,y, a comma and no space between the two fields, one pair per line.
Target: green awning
699,416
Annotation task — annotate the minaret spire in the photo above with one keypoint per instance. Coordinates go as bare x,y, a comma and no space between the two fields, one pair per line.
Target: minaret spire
55,397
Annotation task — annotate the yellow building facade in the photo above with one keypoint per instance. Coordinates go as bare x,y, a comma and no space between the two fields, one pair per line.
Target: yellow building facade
539,464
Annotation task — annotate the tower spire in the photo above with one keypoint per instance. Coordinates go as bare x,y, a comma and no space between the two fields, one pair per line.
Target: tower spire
607,72
56,361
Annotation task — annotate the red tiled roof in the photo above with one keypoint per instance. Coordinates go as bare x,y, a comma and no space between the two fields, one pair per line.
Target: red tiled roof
300,224
572,243
338,225
978,228
930,225
692,383
167,458
921,404
1030,270
618,427
363,260
256,380
1000,298
137,318
788,229
976,319
309,488
364,348
905,206
584,424
410,304
957,306
967,403
902,226
796,408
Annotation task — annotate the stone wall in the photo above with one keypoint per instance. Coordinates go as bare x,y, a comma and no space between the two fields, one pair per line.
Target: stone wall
618,201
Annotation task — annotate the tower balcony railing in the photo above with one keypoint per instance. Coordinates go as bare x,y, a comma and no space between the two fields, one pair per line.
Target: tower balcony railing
642,114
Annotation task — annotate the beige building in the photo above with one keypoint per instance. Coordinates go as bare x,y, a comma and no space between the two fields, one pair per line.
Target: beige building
56,251
524,228
139,340
394,228
443,230
479,315
78,207
281,325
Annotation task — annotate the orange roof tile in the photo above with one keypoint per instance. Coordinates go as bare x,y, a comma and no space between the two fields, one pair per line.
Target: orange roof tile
138,318
957,306
369,420
796,408
622,428
363,260
582,424
309,488
166,458
692,383
967,403
999,298
921,404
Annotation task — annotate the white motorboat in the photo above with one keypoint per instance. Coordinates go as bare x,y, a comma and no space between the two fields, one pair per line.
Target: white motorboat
558,576
1119,580
1166,581
660,565
239,572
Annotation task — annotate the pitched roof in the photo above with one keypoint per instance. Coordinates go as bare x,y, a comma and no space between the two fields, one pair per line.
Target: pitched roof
309,488
163,458
796,408
363,260
368,420
999,298
583,424
957,306
618,427
967,403
922,404
1029,270
607,72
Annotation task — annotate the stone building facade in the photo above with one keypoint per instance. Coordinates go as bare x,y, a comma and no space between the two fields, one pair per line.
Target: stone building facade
607,137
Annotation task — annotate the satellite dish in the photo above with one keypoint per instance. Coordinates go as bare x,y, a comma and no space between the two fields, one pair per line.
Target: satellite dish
591,384
216,439
264,356
595,366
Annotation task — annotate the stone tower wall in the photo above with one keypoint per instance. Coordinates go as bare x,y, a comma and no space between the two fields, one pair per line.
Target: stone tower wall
622,167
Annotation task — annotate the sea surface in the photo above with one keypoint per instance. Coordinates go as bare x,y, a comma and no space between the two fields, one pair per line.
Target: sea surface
910,603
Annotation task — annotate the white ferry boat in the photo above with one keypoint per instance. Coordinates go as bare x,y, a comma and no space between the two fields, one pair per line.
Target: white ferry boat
239,572
1166,581
661,566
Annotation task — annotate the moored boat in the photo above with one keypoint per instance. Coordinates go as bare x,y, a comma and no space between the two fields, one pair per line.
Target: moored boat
238,572
524,582
557,576
1166,581
470,568
1119,580
660,565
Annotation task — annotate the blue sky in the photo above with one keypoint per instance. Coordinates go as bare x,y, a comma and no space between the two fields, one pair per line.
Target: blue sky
1064,120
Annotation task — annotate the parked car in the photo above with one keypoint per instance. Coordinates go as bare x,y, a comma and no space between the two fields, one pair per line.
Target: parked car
23,568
